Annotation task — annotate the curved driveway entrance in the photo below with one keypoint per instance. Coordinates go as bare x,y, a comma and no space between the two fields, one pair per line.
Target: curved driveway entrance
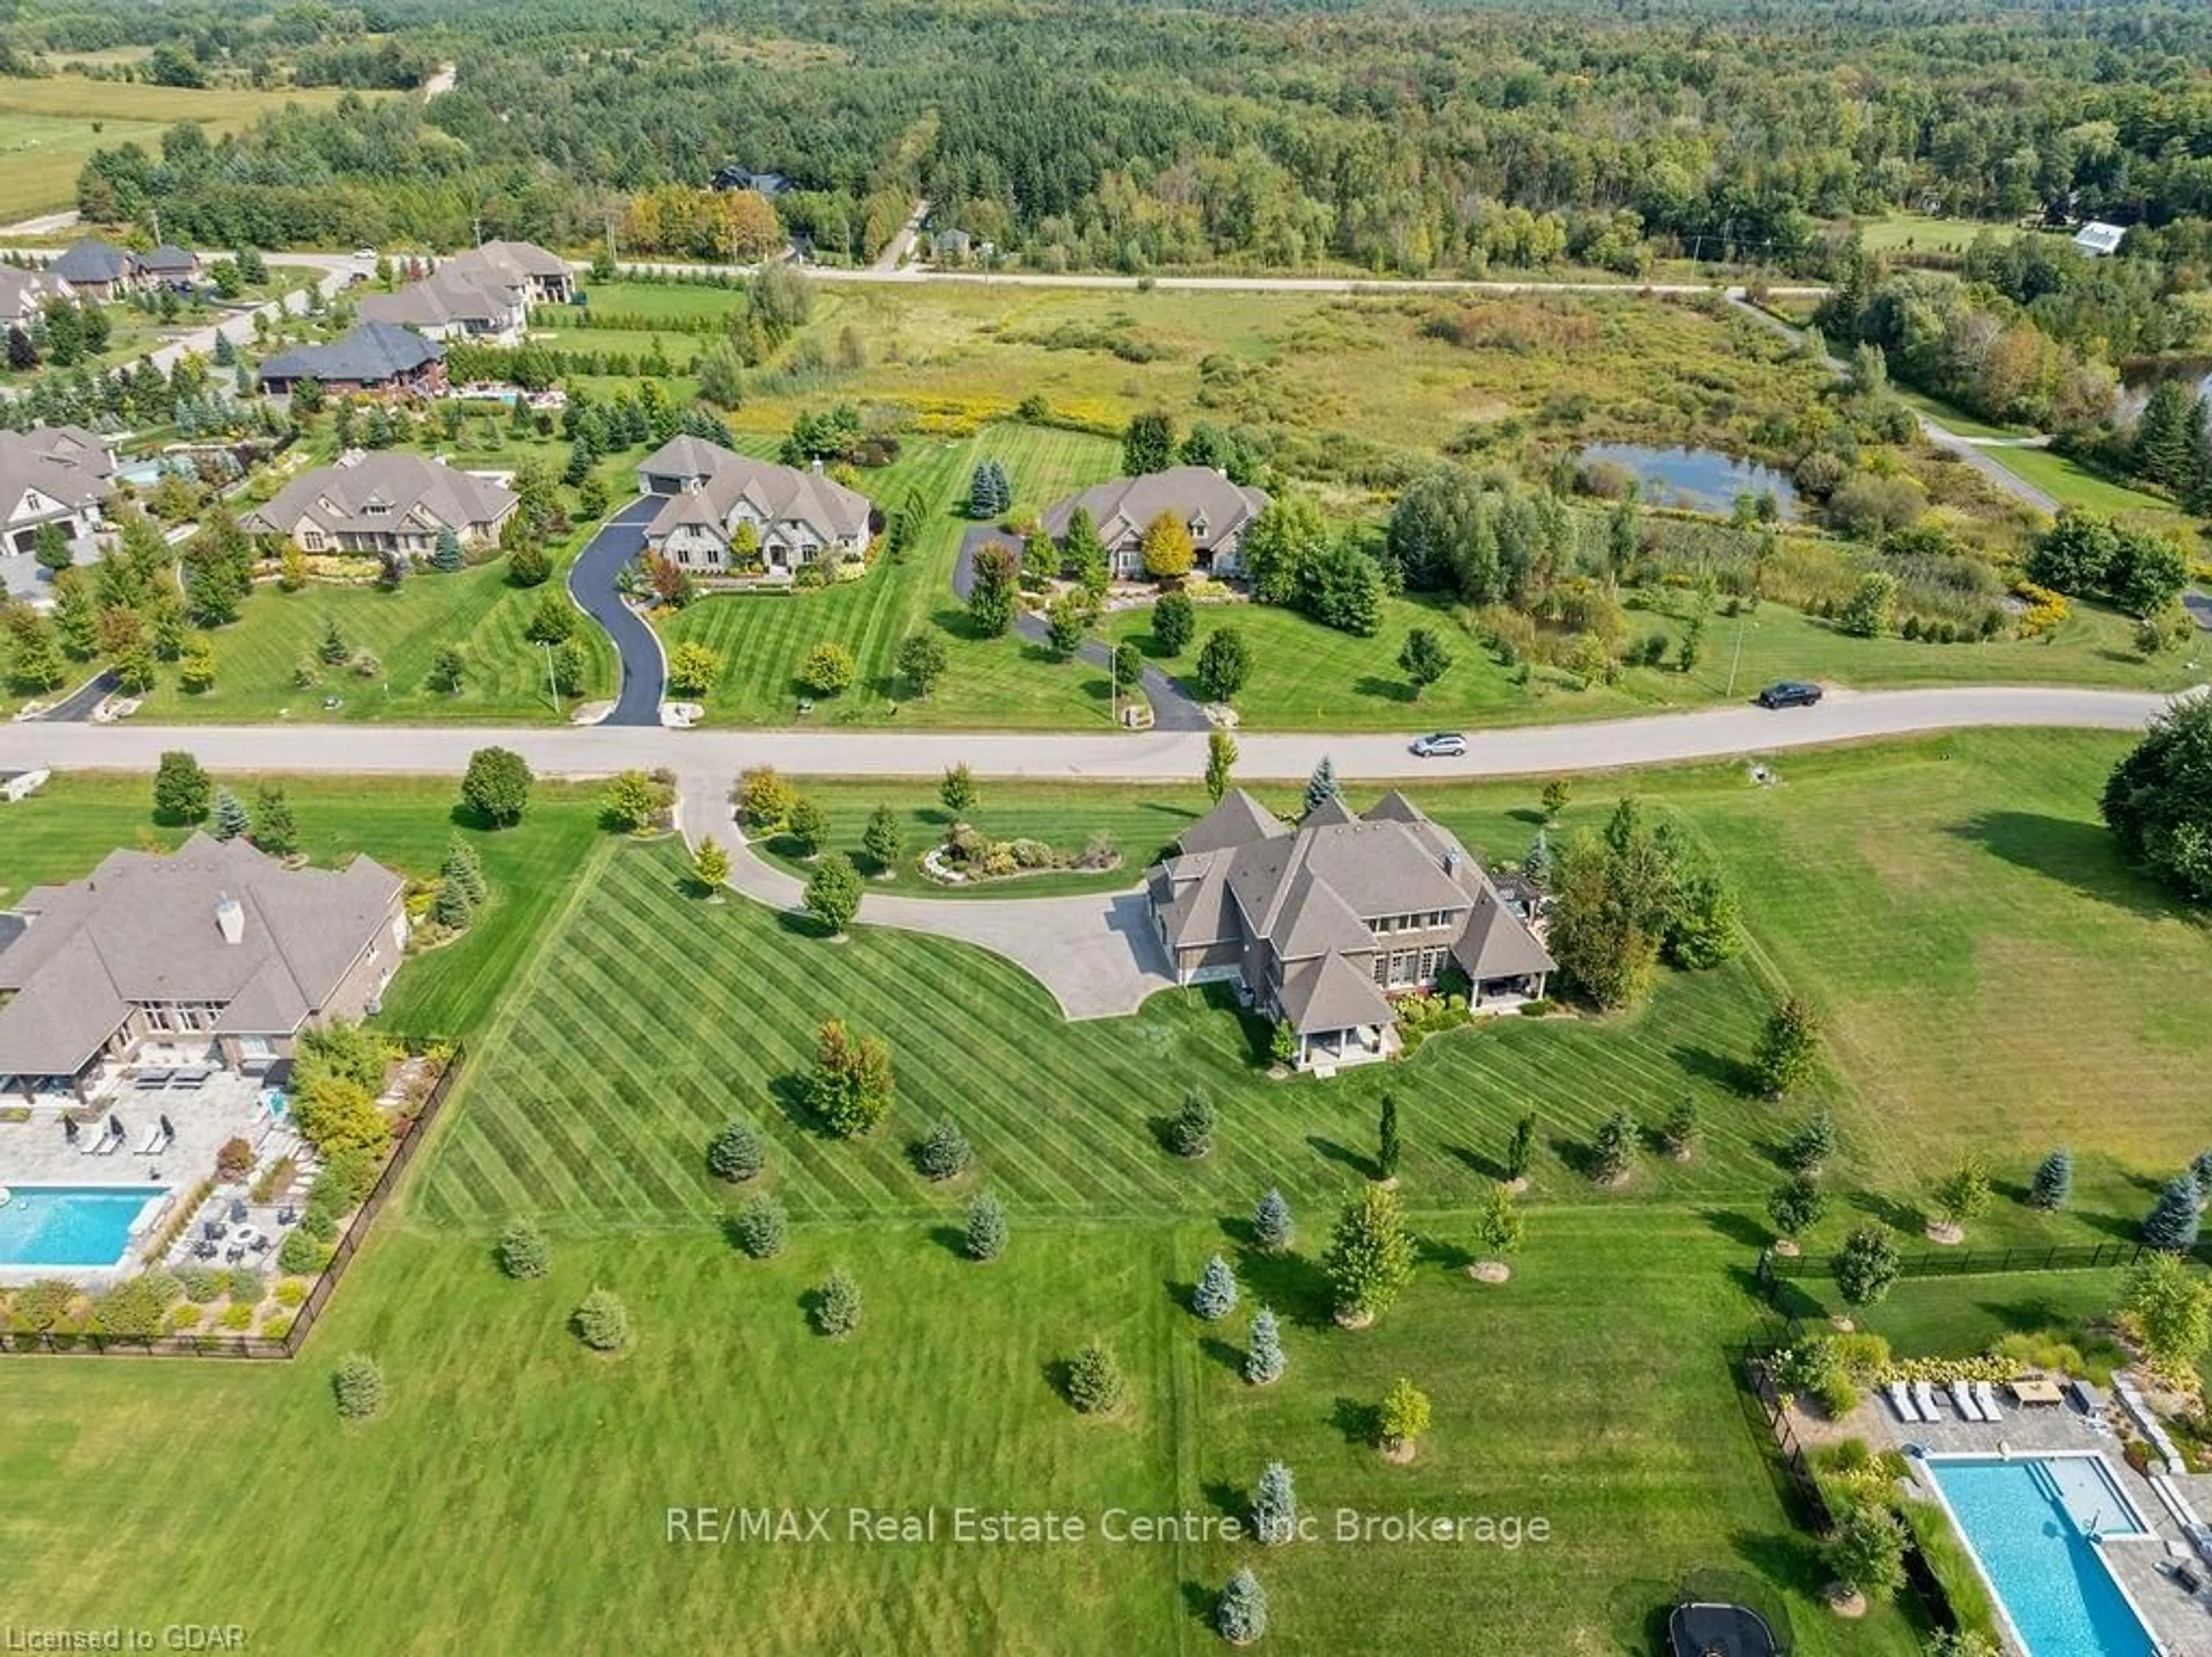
592,583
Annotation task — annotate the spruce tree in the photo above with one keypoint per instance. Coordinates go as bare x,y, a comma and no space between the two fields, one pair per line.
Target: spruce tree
736,1154
1614,1153
1263,1359
230,818
1537,865
943,1152
838,1304
1520,1149
1812,1145
1215,1297
447,557
1388,1147
1240,1616
761,1228
466,869
1094,1378
1322,786
1274,1507
986,1237
2172,1223
2200,1170
1271,1222
451,908
274,830
2053,1184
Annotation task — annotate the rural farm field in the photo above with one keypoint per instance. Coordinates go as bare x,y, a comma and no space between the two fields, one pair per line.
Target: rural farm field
1949,889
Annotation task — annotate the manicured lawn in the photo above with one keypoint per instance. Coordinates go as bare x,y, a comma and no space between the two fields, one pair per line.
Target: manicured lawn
61,832
2074,484
1927,234
763,637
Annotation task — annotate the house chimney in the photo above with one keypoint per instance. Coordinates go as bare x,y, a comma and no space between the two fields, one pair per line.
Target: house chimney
1451,862
230,918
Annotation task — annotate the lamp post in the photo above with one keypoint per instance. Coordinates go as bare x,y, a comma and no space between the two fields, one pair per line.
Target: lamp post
1743,622
552,685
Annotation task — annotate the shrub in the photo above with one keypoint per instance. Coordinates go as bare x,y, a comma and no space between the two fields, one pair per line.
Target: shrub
524,1252
1404,1416
132,1308
1867,1265
235,1161
943,1152
246,1286
1963,1193
1369,1258
1797,1206
40,1305
290,1291
200,1286
1867,1551
985,1238
1271,1222
836,1310
1274,1506
1679,1133
302,1256
237,1318
1190,1130
736,1154
602,1322
358,1385
762,1228
1240,1615
1613,1152
2053,1184
1215,1297
1095,1384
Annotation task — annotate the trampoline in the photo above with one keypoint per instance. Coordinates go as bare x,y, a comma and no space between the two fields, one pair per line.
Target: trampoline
1705,1630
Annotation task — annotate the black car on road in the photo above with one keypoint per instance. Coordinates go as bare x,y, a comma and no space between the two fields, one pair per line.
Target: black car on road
1789,693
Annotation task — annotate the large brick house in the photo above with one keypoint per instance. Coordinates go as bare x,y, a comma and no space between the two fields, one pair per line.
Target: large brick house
215,954
373,358
390,504
484,294
715,498
1322,922
1215,511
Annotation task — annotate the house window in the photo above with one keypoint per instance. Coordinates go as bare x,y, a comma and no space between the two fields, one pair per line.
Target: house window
684,554
1401,967
312,539
1432,961
1382,968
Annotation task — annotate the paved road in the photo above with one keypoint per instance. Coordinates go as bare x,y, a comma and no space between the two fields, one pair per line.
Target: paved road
896,250
1174,709
77,707
591,581
1097,956
1173,756
47,224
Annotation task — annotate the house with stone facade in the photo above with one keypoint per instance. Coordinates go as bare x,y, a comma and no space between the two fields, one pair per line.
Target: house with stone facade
1321,924
215,955
729,517
389,505
1215,511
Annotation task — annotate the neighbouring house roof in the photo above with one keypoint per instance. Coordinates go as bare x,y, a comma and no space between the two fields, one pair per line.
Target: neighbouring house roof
509,258
2099,238
774,494
145,928
743,178
93,261
381,492
169,258
1193,494
1330,993
445,297
66,463
24,291
370,353
684,456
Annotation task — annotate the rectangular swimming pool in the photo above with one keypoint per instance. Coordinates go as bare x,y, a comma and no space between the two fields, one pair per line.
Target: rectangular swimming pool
72,1225
2031,1522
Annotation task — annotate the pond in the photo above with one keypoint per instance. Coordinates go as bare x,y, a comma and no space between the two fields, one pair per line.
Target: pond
2135,384
1700,480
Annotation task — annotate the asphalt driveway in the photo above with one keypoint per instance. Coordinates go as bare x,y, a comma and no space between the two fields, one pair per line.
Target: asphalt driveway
592,583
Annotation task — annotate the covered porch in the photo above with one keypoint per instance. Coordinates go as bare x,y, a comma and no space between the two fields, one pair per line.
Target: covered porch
1340,1015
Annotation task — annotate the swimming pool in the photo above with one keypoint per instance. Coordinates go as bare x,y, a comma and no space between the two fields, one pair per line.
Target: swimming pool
72,1225
2028,1522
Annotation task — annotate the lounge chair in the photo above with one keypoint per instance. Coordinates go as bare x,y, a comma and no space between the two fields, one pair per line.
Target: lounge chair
1962,1396
111,1140
1986,1396
70,1132
237,1212
1923,1399
155,1141
190,1081
1901,1401
152,1081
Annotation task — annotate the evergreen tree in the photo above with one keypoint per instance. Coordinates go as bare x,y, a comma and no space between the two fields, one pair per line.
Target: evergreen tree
602,1322
1215,1297
1148,445
885,839
1220,758
274,830
1387,1148
1679,1133
1175,622
182,790
1796,1206
524,1252
230,818
1322,786
1271,1223
1190,1130
1537,865
761,1227
1867,1265
1240,1616
2168,436
836,1311
2053,1184
466,869
1095,1384
1812,1145
2173,1222
985,1236
1274,1507
736,1154
1789,1048
943,1152
358,1385
2200,1170
450,910
447,557
1520,1149
1614,1153
1263,1359
832,896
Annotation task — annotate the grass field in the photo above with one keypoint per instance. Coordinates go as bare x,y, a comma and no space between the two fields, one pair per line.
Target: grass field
1924,233
2073,484
1990,975
50,127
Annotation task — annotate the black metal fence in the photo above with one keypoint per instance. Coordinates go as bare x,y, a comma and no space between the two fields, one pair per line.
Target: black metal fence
1983,1262
413,1132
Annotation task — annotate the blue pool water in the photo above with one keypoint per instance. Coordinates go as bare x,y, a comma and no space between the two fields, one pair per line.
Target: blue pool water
2027,1521
70,1225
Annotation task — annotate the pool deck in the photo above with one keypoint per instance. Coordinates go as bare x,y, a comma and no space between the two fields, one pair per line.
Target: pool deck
228,1107
2182,1626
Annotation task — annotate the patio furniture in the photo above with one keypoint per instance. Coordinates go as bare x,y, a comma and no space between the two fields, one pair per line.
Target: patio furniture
1963,1399
237,1211
152,1081
2036,1393
288,1216
1924,1400
1901,1401
1986,1396
262,1246
155,1141
203,1250
214,1228
190,1081
70,1132
234,1253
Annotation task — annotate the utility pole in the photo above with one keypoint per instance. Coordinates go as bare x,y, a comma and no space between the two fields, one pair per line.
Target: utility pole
552,685
1113,687
1743,620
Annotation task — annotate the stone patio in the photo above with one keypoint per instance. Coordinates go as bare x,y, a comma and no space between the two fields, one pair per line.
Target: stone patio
2181,1623
226,1106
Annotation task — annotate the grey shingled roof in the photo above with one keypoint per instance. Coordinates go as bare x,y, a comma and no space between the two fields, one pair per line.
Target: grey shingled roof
684,456
1237,820
338,498
1330,993
93,261
64,463
1122,507
777,494
1496,944
142,929
168,256
370,353
24,291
